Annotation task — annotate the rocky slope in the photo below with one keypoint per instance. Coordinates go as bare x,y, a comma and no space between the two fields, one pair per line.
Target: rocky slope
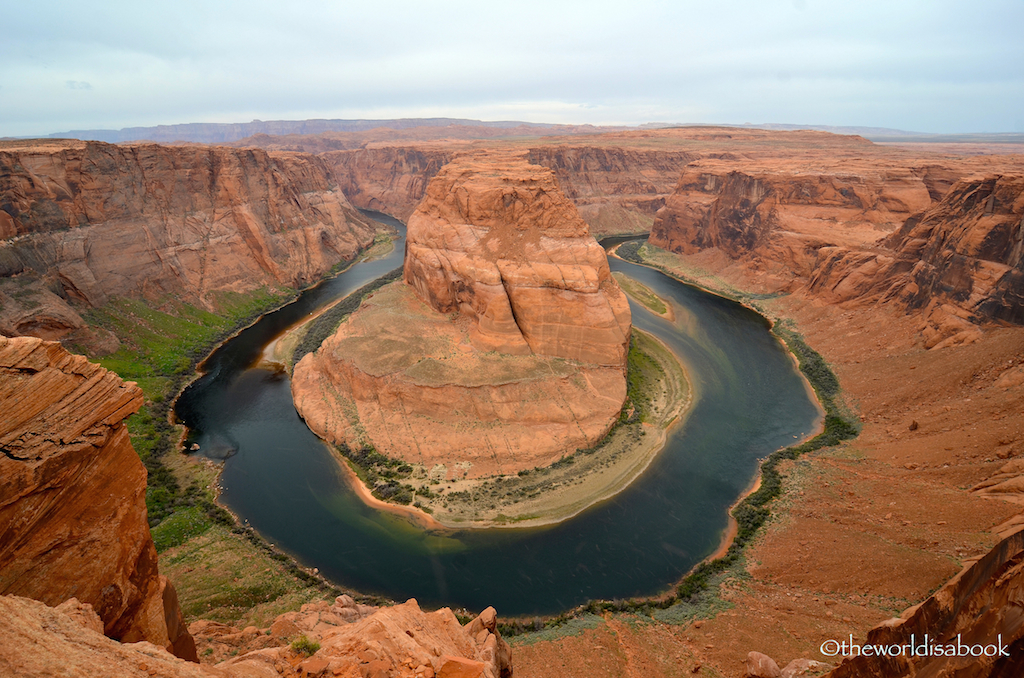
784,214
87,221
980,608
72,495
396,642
504,348
961,261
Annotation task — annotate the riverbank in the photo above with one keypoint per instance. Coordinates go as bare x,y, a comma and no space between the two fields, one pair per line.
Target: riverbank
661,399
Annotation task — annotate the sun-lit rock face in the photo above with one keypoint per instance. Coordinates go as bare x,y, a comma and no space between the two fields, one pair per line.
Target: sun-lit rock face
504,349
73,495
497,241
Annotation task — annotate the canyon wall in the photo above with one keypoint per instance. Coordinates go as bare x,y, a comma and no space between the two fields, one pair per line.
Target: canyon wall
961,262
503,349
784,214
615,189
86,221
73,495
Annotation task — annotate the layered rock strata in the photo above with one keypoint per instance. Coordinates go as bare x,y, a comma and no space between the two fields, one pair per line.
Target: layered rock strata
961,261
87,221
504,348
73,495
615,189
783,215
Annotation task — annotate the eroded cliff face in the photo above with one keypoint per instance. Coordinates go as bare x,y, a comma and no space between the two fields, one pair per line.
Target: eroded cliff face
784,215
961,262
504,347
389,179
72,495
87,221
615,190
496,240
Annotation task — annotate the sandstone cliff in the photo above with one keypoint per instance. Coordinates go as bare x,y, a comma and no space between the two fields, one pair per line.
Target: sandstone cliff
86,221
961,261
784,214
389,179
505,347
72,495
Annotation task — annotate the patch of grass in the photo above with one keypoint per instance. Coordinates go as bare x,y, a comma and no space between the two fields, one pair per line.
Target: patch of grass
179,527
304,646
223,576
528,632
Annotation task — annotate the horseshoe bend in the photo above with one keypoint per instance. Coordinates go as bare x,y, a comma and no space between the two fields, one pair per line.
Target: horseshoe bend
502,349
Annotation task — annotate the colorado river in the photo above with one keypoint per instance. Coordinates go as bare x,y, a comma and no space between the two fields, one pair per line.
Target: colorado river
278,476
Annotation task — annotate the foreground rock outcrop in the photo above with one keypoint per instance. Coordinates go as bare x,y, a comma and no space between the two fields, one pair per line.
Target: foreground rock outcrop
505,347
73,495
977,619
395,642
88,221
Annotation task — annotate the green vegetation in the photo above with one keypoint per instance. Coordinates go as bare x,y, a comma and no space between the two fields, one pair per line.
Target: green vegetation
160,349
179,527
382,474
322,327
304,646
642,372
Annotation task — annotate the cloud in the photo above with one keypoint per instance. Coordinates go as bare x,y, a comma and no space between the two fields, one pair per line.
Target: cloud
77,84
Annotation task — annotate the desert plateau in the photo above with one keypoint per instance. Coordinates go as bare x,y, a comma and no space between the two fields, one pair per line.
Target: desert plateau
505,345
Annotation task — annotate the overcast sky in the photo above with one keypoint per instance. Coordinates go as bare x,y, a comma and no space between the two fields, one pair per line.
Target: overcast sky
928,65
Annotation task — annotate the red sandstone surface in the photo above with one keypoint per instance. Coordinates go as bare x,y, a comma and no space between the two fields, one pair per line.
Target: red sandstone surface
86,221
402,641
72,495
504,348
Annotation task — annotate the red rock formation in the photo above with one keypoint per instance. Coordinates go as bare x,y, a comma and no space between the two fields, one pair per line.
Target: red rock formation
37,641
391,180
96,220
962,261
72,495
497,241
980,606
615,189
476,380
785,214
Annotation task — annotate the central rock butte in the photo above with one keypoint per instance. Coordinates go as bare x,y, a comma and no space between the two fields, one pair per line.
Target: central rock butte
503,348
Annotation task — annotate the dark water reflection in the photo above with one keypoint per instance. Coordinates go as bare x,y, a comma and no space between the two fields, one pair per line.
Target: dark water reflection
279,476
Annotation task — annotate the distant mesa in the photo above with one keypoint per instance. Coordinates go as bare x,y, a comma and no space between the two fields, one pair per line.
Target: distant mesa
503,348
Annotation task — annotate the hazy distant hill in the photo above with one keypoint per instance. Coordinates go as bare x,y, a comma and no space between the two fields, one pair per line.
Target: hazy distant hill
214,132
